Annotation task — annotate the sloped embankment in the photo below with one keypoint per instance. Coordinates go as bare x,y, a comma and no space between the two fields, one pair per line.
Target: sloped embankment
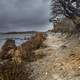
15,60
61,61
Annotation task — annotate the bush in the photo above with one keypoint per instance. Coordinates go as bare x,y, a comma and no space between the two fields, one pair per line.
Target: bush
38,40
12,66
34,43
64,26
8,45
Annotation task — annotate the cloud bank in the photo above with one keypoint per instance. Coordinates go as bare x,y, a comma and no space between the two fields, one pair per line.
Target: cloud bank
24,15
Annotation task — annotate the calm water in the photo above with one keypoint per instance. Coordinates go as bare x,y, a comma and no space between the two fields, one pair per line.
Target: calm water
19,38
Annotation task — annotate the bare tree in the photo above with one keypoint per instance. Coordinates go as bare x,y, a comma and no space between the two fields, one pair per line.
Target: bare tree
67,8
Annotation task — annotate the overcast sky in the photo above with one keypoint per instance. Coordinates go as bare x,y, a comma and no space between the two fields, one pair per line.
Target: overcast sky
24,15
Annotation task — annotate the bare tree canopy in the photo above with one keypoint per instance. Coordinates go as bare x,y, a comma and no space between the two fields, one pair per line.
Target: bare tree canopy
71,7
68,8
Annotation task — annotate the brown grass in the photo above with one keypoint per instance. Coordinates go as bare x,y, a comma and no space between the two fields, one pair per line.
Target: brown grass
64,26
14,68
12,71
25,51
5,52
33,44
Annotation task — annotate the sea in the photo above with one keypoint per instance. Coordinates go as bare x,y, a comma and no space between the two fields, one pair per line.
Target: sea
19,38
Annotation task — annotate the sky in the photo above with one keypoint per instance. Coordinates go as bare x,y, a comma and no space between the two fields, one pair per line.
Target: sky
24,15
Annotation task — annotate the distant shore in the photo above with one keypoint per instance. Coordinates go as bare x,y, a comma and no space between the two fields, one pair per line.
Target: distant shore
28,32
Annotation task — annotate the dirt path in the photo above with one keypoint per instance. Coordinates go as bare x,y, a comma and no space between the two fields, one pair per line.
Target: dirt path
54,63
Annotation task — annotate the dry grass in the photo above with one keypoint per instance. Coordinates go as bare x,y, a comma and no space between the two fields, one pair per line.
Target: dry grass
13,71
15,67
65,26
8,45
35,43
58,63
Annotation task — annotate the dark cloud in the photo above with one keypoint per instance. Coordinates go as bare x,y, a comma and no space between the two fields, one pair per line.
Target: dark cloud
23,14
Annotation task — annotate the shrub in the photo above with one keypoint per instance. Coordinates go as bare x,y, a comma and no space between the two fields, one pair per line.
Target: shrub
14,68
34,43
8,45
64,26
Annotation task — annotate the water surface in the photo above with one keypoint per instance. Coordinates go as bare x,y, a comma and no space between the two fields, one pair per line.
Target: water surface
19,38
